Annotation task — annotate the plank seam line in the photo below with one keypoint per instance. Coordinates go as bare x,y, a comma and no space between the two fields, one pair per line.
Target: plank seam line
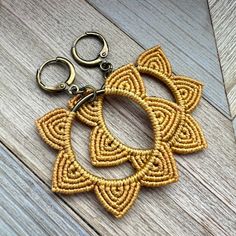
219,59
213,105
192,174
72,208
183,51
43,182
228,116
28,212
82,217
177,25
63,200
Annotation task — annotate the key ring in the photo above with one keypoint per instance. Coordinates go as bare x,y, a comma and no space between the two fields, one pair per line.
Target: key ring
61,86
105,66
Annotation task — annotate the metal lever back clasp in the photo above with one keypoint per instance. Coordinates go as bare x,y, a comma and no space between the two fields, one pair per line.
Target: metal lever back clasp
61,86
102,54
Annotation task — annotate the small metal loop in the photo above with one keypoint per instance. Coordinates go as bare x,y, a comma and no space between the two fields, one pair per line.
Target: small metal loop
88,98
102,54
106,66
61,86
74,90
94,91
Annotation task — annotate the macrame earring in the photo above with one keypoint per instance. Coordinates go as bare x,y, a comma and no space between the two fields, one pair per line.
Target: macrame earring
178,129
173,127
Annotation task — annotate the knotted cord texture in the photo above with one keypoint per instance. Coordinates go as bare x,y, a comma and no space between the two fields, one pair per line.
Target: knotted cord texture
117,196
175,130
177,127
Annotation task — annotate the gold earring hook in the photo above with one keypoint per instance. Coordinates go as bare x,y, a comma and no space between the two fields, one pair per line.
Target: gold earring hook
102,54
61,86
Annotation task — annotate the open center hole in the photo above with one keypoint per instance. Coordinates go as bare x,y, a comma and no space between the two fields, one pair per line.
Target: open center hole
155,87
89,48
54,74
128,122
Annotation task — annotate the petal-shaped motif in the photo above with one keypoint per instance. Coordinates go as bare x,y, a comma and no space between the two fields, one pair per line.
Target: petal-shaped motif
173,129
168,114
68,176
155,59
190,91
189,137
88,113
162,169
127,79
106,150
52,128
117,198
138,160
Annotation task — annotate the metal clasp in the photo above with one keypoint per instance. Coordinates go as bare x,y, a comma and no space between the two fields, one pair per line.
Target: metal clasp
61,86
105,66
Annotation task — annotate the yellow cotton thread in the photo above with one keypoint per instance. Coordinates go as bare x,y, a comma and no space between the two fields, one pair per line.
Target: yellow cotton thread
175,130
177,127
117,196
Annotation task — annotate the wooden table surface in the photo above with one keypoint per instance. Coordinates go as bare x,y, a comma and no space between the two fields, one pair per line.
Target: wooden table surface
203,202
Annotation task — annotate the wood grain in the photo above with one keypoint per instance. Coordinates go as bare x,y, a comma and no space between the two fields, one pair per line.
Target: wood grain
223,15
234,125
27,205
201,203
183,28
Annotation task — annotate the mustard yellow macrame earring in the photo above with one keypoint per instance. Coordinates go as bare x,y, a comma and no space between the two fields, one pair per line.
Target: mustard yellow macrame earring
173,127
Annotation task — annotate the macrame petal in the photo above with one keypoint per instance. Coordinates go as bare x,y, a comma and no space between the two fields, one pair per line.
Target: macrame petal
117,198
190,91
68,176
162,170
106,150
174,131
155,60
169,116
125,79
88,112
52,128
189,137
138,160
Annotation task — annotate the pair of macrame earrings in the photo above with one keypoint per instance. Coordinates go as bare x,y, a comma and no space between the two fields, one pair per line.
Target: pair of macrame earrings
174,128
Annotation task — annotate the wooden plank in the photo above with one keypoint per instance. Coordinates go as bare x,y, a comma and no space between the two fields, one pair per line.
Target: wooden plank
202,203
234,125
184,29
224,20
28,206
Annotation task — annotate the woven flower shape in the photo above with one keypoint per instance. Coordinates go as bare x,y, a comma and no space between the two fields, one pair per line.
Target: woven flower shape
174,130
178,129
